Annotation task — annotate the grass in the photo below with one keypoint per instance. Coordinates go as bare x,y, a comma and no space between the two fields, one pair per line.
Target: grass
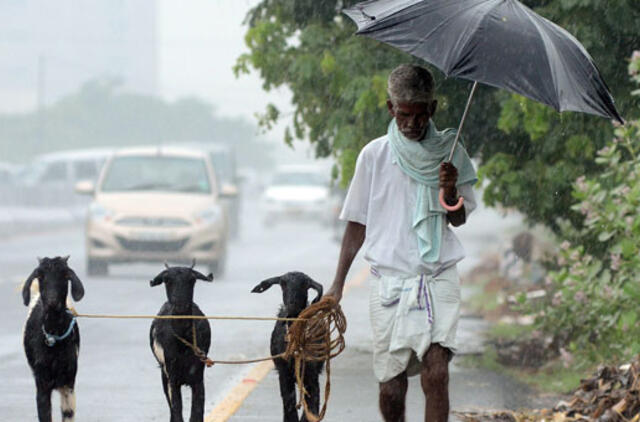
509,331
554,378
483,302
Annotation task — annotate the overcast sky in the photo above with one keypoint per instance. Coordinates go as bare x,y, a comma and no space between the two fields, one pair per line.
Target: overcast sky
198,46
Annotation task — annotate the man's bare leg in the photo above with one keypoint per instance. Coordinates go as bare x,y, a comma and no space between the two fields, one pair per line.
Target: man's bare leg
434,378
392,397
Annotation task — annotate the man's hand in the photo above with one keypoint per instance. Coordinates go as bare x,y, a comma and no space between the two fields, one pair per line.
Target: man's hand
335,292
448,177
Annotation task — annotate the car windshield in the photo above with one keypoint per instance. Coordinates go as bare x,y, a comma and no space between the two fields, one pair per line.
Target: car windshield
299,179
157,173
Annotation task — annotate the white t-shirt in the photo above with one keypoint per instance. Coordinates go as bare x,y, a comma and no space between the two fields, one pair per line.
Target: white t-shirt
383,198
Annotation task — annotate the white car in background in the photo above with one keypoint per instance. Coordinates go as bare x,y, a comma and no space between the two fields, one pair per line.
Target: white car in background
155,204
297,192
50,178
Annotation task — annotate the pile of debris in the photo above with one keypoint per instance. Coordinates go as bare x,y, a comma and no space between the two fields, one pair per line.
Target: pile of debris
531,352
611,395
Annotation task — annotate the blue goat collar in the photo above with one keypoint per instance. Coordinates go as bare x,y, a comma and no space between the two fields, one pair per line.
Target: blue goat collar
51,339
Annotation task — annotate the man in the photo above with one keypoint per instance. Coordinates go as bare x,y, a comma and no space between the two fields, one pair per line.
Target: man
392,203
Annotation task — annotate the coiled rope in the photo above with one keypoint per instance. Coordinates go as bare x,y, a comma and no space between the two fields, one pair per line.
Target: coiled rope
319,337
316,335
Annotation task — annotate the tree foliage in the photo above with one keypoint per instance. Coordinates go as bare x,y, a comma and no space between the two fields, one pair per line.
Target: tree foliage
100,114
592,306
529,153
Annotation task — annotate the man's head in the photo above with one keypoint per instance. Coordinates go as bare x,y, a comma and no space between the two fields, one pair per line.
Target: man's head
411,99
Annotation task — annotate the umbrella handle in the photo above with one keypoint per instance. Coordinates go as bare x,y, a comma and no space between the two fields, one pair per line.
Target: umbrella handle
450,208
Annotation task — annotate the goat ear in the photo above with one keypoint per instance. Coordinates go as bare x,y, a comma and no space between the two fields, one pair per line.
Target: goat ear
317,287
158,280
265,284
26,289
200,276
77,289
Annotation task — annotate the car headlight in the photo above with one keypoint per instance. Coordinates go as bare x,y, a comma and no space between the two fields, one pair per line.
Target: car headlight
98,212
209,215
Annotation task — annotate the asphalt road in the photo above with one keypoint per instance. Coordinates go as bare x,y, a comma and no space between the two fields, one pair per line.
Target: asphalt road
118,378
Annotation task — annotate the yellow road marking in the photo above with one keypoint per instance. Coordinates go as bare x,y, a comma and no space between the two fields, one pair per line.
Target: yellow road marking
232,402
239,393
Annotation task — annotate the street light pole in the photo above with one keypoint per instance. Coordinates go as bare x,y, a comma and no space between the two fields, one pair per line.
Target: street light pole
41,88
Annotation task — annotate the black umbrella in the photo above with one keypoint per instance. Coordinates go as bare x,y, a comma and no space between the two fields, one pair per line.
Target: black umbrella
501,43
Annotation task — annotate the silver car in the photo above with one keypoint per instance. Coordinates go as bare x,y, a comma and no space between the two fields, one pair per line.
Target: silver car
155,204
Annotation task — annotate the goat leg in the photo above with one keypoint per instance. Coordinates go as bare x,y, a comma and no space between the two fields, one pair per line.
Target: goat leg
197,402
165,387
169,393
175,395
67,403
288,394
43,400
311,385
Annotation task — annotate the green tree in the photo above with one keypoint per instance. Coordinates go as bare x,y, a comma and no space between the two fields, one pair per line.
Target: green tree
100,114
593,292
529,153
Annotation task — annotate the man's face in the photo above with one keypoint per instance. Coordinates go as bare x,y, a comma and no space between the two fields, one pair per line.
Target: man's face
412,118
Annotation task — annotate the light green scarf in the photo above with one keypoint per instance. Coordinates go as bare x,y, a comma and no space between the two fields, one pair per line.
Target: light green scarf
421,161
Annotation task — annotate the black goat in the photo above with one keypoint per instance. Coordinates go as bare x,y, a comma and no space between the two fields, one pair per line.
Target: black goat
178,362
51,336
294,287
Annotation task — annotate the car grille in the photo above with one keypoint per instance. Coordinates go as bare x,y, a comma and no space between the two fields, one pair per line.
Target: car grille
152,222
152,245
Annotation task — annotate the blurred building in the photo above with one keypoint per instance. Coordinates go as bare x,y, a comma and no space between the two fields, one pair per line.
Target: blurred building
50,48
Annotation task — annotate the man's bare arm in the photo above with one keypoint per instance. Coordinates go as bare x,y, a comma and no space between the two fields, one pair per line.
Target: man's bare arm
352,241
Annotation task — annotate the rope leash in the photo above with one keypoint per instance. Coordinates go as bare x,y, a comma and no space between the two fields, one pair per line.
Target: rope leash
319,336
234,318
202,356
316,335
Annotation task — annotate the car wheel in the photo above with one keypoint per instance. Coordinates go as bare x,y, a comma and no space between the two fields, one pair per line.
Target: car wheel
96,267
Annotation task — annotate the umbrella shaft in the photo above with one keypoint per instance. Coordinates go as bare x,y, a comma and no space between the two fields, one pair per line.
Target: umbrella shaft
464,116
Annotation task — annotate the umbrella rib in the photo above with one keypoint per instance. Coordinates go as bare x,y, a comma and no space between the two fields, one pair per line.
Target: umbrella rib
606,112
543,36
496,4
444,22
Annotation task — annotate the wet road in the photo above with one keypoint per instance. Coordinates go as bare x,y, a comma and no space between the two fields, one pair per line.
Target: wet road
118,378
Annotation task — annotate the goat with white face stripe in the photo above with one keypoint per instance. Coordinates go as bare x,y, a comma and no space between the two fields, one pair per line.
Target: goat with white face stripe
51,336
179,364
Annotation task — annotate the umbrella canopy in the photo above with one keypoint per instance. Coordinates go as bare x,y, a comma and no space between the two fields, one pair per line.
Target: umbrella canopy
501,43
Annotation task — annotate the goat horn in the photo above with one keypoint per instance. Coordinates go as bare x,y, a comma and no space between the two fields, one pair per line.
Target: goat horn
193,263
166,265
66,258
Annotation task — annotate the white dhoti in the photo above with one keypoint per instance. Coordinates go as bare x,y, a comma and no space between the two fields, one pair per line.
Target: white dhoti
408,315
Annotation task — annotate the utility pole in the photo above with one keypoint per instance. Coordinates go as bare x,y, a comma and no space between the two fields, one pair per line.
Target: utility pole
42,72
